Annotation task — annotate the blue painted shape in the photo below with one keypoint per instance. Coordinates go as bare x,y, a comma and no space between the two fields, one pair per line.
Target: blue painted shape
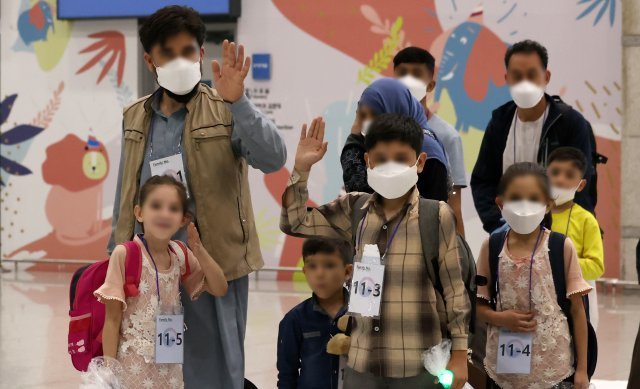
261,66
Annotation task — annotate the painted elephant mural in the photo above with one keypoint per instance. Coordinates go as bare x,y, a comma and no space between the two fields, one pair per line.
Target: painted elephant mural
472,72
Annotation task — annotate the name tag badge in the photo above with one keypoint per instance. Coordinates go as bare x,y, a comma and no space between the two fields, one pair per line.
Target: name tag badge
514,352
371,254
170,166
366,289
170,338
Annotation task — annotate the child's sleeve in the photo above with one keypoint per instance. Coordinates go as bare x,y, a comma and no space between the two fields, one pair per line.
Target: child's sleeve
289,343
332,220
483,270
592,259
194,282
574,281
113,287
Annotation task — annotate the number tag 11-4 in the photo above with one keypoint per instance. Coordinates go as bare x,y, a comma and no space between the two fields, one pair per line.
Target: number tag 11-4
514,352
366,289
170,338
171,166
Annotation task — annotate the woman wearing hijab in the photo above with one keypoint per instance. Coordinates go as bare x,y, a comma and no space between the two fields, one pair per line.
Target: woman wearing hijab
387,95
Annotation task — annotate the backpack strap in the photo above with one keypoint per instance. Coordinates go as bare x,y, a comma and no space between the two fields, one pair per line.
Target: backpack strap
357,214
496,242
132,268
556,260
185,256
429,221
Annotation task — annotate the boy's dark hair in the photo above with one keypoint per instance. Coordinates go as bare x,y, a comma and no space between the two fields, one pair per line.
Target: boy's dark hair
169,21
521,169
527,46
389,127
313,246
569,154
414,54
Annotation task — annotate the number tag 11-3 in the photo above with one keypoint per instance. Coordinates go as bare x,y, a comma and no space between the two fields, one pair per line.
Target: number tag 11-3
366,289
514,352
170,338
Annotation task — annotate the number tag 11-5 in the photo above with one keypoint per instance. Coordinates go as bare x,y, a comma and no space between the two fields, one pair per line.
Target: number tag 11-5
514,352
170,338
366,289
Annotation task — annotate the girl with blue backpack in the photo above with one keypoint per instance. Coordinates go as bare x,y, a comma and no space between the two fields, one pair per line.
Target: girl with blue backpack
530,292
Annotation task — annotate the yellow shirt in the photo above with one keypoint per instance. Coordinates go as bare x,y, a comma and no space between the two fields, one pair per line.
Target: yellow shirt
583,230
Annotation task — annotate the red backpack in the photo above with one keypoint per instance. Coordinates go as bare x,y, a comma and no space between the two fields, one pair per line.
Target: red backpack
87,314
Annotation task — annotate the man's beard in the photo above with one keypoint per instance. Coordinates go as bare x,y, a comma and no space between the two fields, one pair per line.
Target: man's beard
183,99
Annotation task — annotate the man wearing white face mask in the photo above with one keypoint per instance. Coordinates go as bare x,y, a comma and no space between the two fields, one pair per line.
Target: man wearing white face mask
415,67
528,129
209,137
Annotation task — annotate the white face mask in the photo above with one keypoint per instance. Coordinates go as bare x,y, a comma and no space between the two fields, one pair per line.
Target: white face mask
416,86
392,179
179,76
562,195
365,126
526,94
523,216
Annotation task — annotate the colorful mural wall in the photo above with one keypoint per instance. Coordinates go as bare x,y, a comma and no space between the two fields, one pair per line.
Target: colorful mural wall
324,53
63,88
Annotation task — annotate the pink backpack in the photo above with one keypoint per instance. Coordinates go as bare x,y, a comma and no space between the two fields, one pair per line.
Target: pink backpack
87,314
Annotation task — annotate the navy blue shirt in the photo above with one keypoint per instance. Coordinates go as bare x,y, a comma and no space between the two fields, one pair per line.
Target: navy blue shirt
303,361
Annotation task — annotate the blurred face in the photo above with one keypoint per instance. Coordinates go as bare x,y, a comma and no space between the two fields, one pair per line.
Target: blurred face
524,188
365,113
527,66
182,45
395,151
417,70
326,273
565,175
161,214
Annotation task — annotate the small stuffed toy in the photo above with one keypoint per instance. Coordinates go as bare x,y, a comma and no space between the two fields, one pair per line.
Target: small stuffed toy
340,343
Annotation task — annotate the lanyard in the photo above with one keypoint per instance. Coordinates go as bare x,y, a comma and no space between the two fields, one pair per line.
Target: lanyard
153,119
361,232
146,246
566,232
530,269
515,130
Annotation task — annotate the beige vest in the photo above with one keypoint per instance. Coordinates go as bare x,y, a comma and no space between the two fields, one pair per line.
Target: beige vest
217,180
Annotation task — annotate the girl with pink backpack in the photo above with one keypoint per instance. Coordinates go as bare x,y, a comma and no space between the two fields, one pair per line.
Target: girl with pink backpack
143,325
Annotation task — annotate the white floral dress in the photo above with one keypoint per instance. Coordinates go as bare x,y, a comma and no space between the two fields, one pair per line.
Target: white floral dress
552,351
136,348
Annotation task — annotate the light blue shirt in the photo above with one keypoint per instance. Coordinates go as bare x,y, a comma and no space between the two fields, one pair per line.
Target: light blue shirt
452,144
254,138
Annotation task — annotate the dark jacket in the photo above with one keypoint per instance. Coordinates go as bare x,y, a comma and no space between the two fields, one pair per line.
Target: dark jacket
564,126
303,335
433,182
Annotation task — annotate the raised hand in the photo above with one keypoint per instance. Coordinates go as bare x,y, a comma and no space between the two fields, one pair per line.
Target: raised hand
311,147
193,237
229,78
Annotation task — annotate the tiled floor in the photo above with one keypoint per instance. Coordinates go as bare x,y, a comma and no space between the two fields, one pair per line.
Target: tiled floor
33,330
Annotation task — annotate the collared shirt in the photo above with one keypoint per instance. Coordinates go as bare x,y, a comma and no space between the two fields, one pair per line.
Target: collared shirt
254,138
303,361
450,139
409,323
